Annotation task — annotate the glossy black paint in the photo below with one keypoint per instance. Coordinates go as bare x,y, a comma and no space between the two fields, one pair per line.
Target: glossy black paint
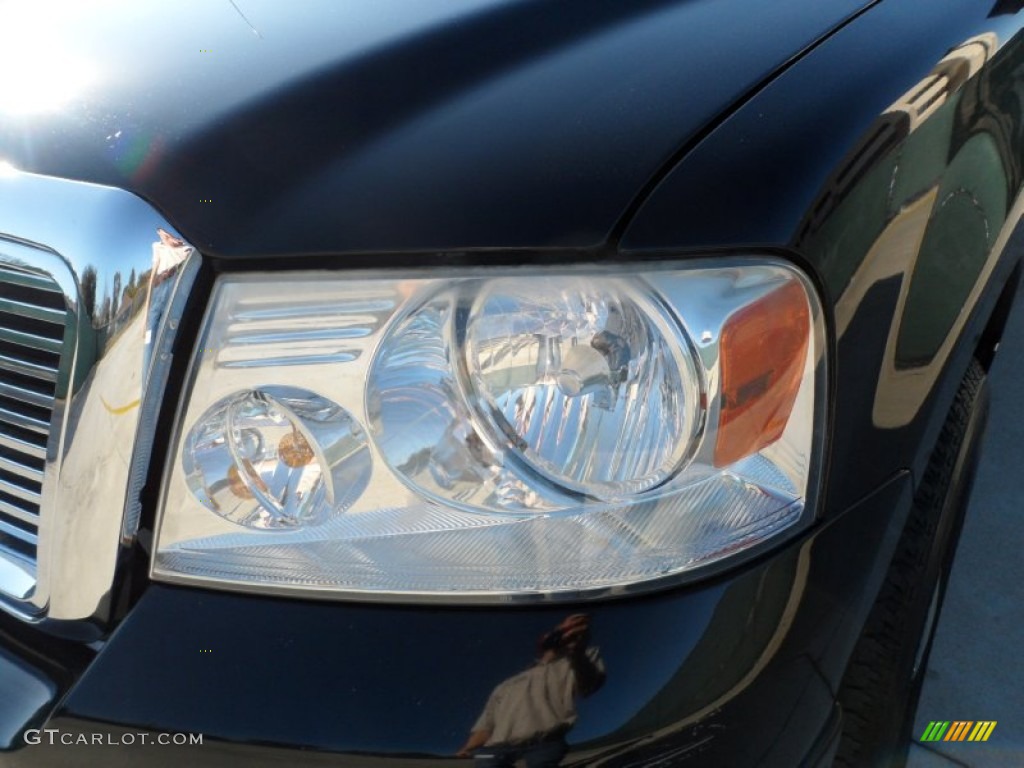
817,161
383,126
555,139
35,671
736,672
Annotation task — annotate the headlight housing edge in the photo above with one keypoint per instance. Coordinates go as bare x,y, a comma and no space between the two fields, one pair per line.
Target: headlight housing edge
461,506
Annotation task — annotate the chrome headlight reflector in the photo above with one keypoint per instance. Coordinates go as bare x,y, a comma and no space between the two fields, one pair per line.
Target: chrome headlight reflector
276,458
491,436
595,385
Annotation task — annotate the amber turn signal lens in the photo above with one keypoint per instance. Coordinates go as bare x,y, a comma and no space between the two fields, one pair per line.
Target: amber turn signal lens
764,349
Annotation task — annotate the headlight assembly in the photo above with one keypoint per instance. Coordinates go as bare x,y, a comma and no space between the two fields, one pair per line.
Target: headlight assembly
487,436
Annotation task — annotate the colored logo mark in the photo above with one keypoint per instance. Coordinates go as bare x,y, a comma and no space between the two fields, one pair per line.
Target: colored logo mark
206,650
207,200
958,730
205,50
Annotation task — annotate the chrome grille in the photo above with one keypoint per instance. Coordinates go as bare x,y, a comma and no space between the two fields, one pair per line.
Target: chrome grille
84,358
33,330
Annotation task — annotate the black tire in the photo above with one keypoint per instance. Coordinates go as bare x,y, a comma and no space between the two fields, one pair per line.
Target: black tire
883,680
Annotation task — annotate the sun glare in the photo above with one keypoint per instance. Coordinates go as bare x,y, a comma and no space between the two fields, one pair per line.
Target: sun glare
38,73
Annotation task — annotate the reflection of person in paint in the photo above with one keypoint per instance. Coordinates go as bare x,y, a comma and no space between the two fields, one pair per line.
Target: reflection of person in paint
527,716
168,253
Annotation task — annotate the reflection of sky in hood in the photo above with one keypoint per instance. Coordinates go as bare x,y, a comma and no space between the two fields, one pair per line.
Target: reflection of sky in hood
127,82
98,61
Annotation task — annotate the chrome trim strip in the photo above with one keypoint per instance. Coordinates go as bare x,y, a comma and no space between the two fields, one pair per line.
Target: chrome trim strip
165,333
119,266
19,576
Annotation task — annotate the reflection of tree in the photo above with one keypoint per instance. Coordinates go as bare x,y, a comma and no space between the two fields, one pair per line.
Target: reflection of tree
116,293
88,282
417,461
129,290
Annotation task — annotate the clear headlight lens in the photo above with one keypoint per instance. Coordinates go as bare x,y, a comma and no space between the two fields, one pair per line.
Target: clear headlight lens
595,386
276,458
480,436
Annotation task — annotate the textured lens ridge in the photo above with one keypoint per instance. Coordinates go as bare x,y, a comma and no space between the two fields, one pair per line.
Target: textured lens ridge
600,549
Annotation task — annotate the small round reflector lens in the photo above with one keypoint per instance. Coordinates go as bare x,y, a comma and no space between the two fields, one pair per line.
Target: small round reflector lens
276,458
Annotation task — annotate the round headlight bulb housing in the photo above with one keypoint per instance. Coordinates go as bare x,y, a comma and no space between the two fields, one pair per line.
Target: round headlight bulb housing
276,458
591,381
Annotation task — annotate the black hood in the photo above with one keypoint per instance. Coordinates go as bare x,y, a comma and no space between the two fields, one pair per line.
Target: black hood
261,127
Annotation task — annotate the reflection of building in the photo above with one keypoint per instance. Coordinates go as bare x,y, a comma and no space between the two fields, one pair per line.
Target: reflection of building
920,201
895,124
681,719
945,79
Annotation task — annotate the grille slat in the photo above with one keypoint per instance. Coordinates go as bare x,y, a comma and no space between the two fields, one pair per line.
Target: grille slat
20,493
53,295
27,396
11,443
13,510
21,470
6,528
33,320
24,421
45,314
31,340
25,368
